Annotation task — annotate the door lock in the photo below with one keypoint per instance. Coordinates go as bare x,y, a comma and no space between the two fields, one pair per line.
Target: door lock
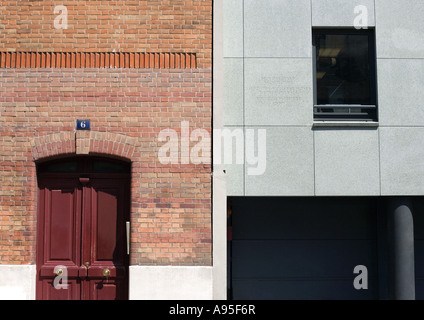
106,272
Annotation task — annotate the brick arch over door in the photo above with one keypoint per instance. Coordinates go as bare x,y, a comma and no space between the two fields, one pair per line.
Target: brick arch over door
82,143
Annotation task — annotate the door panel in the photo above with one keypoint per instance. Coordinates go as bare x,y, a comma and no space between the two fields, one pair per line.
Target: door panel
62,224
58,238
72,292
106,215
108,218
105,290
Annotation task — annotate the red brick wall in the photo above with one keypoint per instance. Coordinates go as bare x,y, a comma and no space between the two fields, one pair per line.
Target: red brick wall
105,26
171,204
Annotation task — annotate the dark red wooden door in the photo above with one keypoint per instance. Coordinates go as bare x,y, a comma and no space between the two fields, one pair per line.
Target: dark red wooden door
81,243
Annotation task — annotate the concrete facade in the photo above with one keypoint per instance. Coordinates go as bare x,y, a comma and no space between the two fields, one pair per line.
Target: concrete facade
269,84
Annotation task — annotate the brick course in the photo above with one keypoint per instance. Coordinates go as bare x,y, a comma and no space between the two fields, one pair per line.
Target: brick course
97,60
171,204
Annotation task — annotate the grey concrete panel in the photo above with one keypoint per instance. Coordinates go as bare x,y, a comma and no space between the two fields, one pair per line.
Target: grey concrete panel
278,92
233,91
235,179
400,89
346,162
342,13
289,163
400,28
233,28
234,165
402,154
277,28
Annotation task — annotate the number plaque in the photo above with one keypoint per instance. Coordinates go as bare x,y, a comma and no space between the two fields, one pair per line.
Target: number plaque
83,124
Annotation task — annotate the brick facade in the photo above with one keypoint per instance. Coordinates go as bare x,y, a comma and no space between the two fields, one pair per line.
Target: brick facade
128,107
106,26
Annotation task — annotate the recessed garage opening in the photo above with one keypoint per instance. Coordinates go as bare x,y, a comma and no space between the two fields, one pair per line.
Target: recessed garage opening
303,248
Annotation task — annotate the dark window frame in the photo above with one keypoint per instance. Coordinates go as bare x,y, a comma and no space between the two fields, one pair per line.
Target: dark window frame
84,165
328,112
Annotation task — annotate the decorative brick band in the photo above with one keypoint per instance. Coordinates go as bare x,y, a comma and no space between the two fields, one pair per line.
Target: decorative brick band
82,142
97,60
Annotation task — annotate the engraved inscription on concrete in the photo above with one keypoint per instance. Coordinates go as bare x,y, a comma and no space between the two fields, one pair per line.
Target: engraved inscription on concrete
279,91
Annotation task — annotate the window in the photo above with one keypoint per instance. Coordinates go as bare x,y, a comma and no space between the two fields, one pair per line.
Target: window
84,164
345,80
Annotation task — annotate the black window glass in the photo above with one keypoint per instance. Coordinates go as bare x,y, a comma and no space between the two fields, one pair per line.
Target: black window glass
65,167
84,165
345,76
105,167
343,69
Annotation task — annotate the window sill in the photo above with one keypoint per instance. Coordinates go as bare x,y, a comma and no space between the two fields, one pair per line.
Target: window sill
349,124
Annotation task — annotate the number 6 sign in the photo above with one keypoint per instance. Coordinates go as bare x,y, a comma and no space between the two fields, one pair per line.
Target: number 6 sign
83,124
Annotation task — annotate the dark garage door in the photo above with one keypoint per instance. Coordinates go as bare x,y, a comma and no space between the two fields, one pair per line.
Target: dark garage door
418,216
302,248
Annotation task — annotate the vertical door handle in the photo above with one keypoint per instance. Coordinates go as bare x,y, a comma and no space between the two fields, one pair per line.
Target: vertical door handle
128,229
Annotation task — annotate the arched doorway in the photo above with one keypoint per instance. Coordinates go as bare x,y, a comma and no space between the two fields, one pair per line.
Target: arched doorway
83,226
